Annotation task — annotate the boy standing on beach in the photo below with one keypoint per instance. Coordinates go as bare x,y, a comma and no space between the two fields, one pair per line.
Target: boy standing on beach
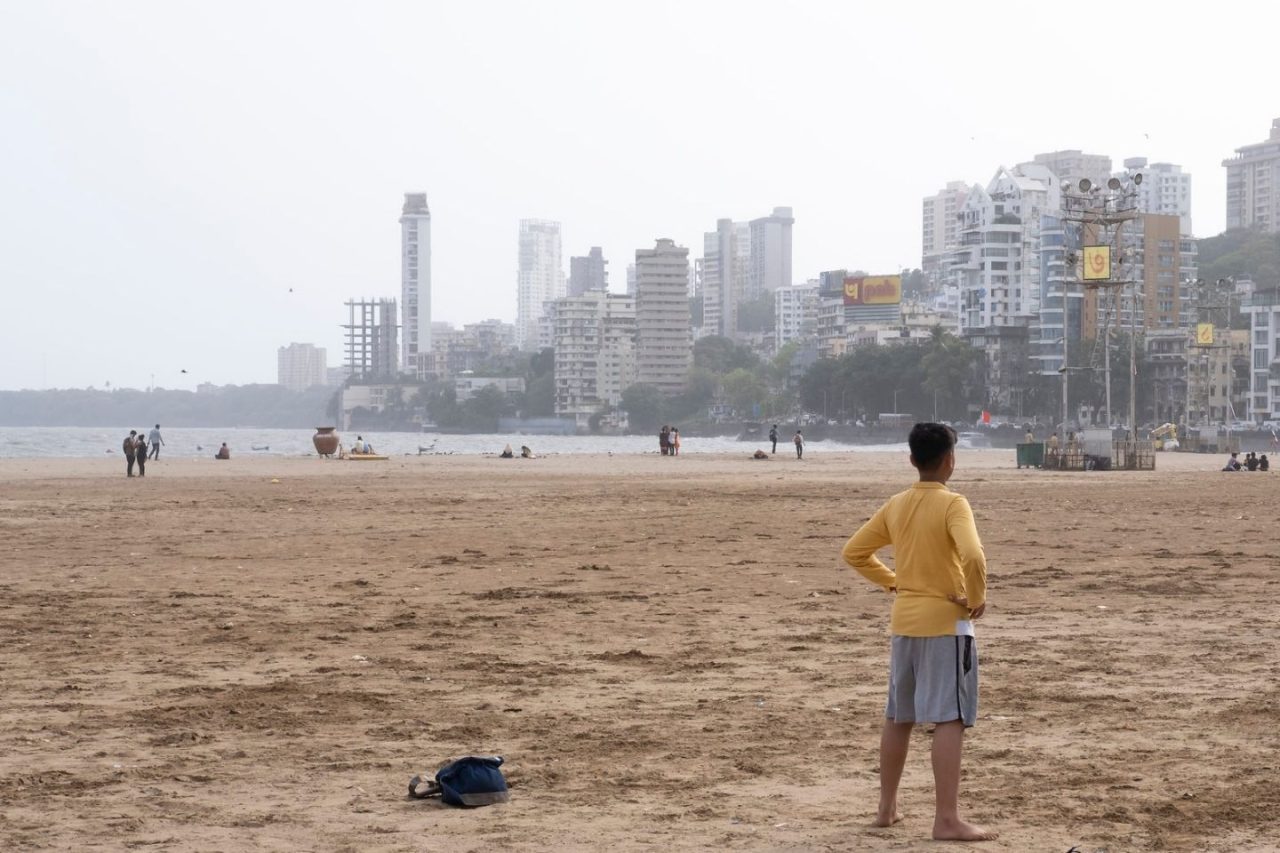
941,586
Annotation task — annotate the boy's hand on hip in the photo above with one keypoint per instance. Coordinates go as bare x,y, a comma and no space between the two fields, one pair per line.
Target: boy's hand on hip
963,601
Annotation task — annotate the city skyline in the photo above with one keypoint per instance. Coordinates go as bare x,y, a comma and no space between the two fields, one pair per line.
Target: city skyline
244,203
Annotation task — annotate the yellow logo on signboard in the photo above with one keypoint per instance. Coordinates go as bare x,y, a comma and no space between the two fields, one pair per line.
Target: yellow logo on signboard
1097,263
873,290
1204,334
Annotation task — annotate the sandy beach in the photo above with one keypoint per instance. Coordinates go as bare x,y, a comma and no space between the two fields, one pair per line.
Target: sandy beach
258,654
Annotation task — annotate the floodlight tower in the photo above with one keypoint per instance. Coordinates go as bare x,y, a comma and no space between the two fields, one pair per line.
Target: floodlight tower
1104,265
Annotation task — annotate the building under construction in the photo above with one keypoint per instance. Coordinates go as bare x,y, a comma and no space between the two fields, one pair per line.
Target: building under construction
371,339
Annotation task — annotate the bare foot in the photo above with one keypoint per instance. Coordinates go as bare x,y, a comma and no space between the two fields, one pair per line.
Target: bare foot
888,818
958,830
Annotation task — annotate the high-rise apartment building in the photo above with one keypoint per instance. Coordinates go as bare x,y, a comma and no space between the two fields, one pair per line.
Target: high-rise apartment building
415,279
1253,184
1165,189
1263,308
795,312
588,273
631,279
540,278
996,266
742,261
940,229
300,366
664,343
595,353
996,271
1072,165
456,351
371,348
769,264
726,264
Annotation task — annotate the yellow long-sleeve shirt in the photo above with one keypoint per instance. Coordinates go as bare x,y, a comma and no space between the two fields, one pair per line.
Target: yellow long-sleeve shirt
937,553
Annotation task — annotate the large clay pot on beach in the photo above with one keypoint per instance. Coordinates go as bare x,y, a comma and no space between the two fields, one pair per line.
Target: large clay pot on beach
326,441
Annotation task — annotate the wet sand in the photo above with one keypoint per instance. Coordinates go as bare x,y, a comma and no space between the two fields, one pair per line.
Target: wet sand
668,652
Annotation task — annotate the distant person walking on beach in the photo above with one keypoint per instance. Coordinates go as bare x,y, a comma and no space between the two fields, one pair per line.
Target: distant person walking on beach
129,448
140,451
156,441
224,452
674,440
664,440
773,436
799,442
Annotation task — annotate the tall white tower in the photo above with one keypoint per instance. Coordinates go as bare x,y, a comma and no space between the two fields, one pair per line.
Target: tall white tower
540,278
415,279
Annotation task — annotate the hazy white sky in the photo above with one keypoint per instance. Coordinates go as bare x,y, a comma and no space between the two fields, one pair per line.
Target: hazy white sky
169,170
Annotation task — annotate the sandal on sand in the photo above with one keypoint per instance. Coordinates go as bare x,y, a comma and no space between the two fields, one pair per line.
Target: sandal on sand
421,789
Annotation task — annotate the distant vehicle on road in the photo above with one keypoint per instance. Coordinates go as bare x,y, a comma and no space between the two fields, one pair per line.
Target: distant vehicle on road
972,440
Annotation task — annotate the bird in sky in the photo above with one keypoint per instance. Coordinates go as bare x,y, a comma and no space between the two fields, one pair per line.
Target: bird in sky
184,370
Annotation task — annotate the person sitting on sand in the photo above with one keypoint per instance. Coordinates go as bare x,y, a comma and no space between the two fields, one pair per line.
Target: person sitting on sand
1251,461
224,452
1233,464
939,585
506,453
525,452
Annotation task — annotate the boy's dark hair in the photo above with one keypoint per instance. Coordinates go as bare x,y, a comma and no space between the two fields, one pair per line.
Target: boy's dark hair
929,443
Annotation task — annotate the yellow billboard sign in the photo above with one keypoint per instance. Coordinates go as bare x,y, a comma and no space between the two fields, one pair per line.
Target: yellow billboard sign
1204,334
1097,263
873,290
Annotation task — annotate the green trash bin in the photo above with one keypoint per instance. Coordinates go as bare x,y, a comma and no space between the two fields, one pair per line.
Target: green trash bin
1031,455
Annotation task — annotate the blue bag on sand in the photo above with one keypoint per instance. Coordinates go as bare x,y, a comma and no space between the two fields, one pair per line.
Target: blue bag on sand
471,781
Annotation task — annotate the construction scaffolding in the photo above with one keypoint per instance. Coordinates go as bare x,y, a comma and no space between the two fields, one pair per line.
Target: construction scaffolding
371,341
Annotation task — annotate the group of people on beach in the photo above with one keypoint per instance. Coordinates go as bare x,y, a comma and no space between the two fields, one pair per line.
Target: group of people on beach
138,447
669,441
797,440
1251,462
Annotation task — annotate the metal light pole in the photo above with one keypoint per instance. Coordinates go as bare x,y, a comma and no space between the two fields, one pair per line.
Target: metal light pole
1106,367
1065,372
1101,213
1133,362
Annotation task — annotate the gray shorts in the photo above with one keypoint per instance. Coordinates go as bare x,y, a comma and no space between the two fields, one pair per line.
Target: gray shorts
933,680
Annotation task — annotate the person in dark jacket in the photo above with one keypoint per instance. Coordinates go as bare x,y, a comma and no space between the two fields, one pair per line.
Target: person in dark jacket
140,451
773,436
129,450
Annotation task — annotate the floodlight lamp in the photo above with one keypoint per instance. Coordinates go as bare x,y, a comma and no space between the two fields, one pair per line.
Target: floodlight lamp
1066,186
1085,184
1137,179
1113,184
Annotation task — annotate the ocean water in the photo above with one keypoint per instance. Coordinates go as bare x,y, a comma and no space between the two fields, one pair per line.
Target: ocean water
83,442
